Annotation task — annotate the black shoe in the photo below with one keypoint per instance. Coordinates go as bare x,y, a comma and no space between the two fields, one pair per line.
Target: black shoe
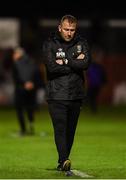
59,167
19,134
69,173
32,130
66,165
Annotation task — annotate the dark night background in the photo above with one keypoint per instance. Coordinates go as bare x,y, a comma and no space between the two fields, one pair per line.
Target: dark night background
55,8
112,39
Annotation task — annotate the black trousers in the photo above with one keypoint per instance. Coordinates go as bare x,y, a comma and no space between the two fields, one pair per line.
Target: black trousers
92,98
24,103
21,117
64,115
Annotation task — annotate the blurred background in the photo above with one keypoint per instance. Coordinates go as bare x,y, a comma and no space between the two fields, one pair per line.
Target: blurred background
28,24
100,144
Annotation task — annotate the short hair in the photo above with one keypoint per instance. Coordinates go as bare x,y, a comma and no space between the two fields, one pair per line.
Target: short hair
71,19
19,50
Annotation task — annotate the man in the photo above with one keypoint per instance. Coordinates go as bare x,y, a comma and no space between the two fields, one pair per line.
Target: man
27,79
66,55
96,79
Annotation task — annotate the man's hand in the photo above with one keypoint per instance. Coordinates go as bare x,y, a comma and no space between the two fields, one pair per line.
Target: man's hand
59,61
81,56
29,85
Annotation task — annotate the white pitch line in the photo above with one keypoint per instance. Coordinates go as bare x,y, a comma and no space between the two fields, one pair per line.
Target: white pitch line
81,174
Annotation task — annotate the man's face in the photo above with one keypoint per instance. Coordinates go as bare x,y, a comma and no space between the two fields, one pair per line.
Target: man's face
67,30
17,55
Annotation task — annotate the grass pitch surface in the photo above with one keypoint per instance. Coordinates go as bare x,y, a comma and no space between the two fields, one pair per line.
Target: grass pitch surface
99,147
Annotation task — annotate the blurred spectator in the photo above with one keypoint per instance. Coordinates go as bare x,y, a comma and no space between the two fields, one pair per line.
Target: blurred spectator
96,78
119,93
27,80
6,86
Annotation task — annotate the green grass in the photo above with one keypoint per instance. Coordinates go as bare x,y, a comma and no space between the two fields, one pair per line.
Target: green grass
99,148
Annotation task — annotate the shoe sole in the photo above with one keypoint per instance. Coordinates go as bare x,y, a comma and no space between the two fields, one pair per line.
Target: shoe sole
66,165
69,173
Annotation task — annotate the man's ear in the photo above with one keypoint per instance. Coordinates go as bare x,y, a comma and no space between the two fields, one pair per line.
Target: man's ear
59,28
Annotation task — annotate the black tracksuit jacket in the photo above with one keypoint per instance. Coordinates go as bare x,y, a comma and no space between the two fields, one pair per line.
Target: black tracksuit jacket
65,82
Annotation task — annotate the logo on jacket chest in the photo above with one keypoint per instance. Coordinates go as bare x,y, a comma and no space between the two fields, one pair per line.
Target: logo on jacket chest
60,54
79,48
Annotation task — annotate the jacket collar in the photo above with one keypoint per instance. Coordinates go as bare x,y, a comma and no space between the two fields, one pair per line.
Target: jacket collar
57,37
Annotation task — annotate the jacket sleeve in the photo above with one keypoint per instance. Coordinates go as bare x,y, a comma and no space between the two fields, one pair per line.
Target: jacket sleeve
82,64
49,60
17,81
38,80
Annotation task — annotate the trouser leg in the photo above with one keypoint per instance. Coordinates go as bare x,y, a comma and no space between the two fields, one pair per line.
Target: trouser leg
93,94
73,114
58,113
30,114
21,118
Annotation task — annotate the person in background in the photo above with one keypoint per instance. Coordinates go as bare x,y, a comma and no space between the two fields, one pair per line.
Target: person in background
66,56
96,79
27,79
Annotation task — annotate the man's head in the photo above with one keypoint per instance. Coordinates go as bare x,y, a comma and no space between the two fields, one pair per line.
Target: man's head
67,27
18,53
